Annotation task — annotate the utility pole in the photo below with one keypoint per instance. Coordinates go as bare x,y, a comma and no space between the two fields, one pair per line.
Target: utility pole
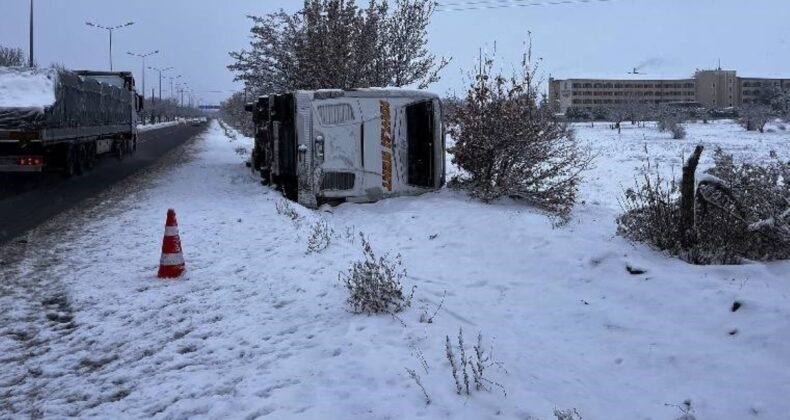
160,78
32,62
110,29
143,56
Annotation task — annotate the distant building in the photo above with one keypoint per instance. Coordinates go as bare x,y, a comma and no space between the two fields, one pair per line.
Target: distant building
709,88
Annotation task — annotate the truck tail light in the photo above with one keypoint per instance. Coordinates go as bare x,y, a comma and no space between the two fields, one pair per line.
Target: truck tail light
31,161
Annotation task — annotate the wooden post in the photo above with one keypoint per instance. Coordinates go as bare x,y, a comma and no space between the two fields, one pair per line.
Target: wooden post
687,190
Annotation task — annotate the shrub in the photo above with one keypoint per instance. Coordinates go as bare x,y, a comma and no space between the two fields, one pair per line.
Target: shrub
754,118
651,211
374,284
320,237
285,208
508,146
672,122
678,131
477,363
570,414
734,212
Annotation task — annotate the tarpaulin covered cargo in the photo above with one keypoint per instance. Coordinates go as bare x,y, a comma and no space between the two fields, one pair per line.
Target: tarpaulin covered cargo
32,99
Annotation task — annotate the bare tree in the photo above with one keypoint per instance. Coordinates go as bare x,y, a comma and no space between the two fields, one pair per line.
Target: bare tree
271,64
407,30
337,44
232,112
672,120
755,117
12,57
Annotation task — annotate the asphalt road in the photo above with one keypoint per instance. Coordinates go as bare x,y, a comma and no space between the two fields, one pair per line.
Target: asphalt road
28,201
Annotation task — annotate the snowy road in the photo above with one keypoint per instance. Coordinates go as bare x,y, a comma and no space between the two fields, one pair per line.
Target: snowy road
258,327
27,201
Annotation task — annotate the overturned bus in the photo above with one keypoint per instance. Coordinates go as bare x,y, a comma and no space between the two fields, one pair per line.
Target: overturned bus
330,146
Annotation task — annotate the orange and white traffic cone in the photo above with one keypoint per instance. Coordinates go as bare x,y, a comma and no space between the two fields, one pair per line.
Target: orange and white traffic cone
172,263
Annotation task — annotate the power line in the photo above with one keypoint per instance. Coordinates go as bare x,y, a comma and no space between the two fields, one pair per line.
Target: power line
477,2
500,4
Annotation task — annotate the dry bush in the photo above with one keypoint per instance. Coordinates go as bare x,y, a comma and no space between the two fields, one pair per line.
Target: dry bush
374,284
686,410
570,414
740,211
511,147
743,211
320,237
477,363
416,378
651,211
672,121
285,208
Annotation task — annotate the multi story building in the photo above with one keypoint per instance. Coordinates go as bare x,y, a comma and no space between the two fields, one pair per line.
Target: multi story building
709,88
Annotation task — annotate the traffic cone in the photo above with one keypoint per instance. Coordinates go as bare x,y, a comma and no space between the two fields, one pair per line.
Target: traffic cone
172,263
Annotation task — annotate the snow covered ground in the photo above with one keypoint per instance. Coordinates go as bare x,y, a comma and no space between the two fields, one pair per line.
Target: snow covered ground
258,327
149,127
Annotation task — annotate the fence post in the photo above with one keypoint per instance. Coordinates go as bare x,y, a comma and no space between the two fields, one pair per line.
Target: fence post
687,190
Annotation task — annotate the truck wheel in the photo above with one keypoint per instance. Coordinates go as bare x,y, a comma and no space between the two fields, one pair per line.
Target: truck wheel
80,162
90,160
120,149
70,162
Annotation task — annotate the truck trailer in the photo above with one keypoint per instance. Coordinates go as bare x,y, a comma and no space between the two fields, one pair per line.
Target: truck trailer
331,146
61,120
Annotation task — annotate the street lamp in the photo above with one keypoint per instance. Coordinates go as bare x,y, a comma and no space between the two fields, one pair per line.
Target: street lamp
143,56
172,78
109,29
32,62
160,78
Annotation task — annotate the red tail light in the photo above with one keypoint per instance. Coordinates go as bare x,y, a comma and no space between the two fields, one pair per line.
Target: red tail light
31,161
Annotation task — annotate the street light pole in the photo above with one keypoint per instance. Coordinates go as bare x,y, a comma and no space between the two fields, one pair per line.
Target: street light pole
143,56
172,94
110,29
160,78
31,34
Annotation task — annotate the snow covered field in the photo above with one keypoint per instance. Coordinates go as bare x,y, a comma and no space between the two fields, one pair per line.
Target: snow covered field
258,327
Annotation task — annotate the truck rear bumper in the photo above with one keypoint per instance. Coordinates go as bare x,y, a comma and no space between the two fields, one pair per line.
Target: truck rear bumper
14,164
20,169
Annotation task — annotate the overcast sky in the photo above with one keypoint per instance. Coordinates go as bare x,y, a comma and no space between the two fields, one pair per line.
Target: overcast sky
672,37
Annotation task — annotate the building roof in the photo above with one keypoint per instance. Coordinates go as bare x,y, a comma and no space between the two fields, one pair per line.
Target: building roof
628,77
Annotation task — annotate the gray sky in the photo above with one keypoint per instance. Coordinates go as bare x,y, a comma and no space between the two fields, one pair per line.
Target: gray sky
674,37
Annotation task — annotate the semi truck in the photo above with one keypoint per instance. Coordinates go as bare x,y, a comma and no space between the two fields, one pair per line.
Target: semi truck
331,146
61,120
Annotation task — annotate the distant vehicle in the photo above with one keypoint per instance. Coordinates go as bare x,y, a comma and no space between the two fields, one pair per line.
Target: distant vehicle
330,146
729,112
60,120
